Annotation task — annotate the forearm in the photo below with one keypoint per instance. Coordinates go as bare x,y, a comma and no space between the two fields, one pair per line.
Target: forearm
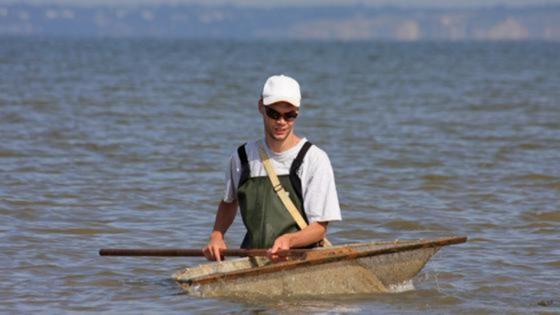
224,218
313,233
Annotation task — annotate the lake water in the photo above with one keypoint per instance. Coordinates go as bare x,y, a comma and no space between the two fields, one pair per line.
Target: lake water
123,143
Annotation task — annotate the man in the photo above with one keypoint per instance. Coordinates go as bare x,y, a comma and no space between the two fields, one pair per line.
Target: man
303,169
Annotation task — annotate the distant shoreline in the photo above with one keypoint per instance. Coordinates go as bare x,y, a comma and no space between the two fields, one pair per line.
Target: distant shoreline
347,23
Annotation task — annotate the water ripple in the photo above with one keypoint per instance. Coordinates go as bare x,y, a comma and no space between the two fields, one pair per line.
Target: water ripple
122,143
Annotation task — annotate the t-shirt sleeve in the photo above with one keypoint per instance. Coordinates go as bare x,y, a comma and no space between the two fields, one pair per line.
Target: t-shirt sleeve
232,175
319,194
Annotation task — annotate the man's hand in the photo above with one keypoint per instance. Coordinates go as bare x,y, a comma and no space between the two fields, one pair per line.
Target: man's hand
224,218
313,233
215,244
283,242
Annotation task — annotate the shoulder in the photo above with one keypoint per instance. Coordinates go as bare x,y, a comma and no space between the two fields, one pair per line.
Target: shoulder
250,148
316,159
317,155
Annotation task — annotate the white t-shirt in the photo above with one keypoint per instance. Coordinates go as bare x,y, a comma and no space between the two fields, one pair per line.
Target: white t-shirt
320,199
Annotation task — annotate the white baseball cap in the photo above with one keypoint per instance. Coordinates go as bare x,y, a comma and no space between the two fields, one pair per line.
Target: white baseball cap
281,88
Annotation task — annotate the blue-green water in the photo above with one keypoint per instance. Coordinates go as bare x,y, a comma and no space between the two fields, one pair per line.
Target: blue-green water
122,143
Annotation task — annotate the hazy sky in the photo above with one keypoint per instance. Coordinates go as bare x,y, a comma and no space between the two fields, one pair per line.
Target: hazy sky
414,3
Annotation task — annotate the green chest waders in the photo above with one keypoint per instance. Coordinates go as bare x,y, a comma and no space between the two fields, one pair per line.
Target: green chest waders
263,213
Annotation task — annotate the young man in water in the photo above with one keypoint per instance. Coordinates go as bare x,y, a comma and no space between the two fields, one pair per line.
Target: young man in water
304,171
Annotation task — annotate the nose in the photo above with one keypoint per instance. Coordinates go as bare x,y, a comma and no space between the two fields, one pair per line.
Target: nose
281,119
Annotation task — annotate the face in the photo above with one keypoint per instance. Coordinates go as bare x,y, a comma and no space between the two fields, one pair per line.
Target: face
279,119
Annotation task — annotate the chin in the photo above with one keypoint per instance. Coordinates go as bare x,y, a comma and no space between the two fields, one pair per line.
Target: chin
277,137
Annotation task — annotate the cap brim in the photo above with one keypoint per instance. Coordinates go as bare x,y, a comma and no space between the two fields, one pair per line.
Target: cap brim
275,99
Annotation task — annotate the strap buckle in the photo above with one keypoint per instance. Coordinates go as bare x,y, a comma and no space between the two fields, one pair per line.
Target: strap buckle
278,188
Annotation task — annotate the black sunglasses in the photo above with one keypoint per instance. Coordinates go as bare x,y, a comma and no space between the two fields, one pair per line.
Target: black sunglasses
289,116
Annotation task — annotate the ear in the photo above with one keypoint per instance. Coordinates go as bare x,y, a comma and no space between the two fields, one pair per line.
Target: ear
261,106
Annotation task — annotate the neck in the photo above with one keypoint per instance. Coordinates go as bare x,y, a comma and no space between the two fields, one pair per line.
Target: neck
279,146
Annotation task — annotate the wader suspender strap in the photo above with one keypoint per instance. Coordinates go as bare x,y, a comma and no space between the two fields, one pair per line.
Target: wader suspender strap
282,194
245,170
294,168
